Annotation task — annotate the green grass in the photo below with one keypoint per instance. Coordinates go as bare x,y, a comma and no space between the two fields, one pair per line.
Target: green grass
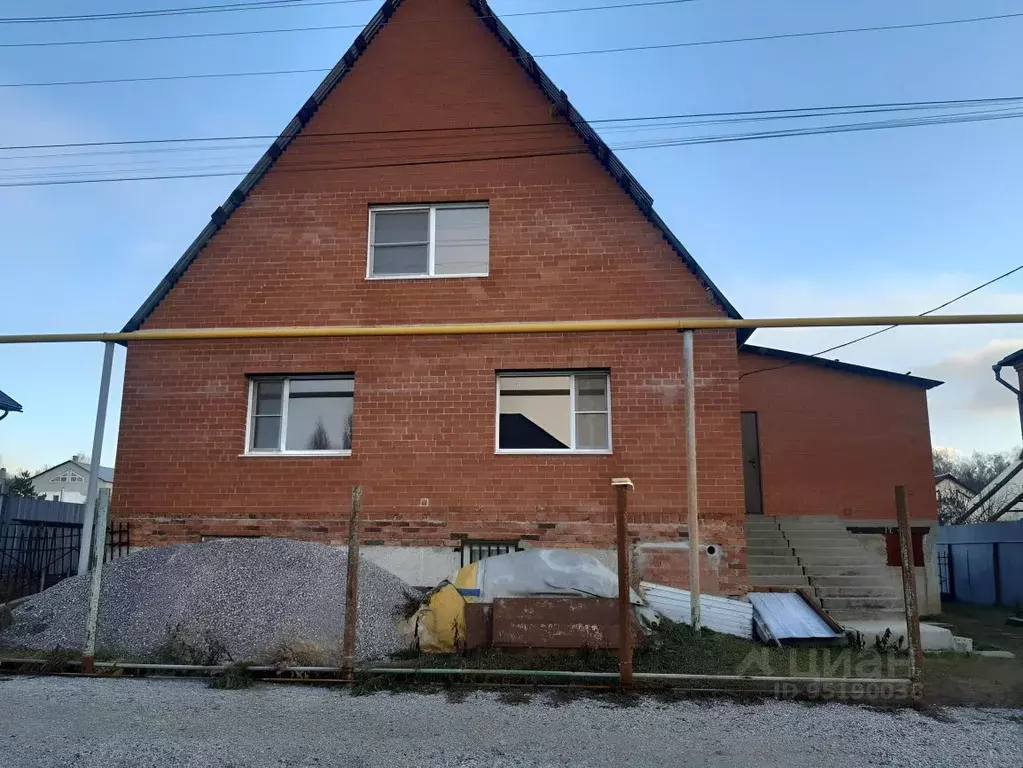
678,649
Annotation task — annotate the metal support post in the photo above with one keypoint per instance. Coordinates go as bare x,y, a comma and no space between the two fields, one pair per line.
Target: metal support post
916,653
352,591
693,498
622,486
97,450
99,547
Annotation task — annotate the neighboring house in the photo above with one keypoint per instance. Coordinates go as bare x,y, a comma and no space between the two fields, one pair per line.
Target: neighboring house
68,481
1002,498
8,405
436,176
953,496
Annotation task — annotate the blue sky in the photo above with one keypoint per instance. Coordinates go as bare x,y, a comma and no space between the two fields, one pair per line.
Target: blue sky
859,223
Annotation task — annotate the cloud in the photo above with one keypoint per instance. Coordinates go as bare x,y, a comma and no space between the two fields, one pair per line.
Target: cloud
969,372
971,411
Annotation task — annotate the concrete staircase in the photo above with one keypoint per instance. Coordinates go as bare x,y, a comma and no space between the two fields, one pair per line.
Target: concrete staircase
769,556
818,552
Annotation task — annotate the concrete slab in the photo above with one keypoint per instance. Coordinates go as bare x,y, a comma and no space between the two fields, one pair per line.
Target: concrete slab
995,654
933,638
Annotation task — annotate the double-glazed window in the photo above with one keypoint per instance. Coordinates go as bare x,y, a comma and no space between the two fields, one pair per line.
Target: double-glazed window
429,241
300,414
553,412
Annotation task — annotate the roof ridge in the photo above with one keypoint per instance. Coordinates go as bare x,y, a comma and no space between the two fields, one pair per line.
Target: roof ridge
557,97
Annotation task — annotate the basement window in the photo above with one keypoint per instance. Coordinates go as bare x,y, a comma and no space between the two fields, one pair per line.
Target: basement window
300,415
553,412
474,551
450,240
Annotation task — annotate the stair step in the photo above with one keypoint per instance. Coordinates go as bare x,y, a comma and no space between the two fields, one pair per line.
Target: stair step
852,581
823,540
785,552
835,558
772,581
776,571
857,591
861,604
819,570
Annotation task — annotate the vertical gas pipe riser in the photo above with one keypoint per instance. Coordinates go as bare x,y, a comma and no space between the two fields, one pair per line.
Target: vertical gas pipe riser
352,591
622,486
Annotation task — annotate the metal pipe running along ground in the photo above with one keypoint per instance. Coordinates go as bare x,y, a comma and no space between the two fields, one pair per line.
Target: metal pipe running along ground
558,326
461,672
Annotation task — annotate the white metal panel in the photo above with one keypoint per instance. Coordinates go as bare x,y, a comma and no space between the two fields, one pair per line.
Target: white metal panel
721,614
787,616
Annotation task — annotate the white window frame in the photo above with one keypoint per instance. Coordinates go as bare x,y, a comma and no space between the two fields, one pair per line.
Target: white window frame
432,233
572,451
285,395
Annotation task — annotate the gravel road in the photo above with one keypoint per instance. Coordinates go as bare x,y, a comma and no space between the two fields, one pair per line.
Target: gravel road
76,723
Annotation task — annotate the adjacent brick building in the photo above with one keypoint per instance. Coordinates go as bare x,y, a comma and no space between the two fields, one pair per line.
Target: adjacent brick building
438,176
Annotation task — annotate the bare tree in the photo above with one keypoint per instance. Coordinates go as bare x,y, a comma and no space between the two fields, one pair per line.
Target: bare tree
319,440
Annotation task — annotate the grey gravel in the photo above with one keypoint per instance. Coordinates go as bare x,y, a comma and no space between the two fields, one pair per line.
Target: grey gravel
111,723
252,595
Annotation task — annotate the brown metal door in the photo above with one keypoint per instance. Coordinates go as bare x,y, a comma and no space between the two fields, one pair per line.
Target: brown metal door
751,464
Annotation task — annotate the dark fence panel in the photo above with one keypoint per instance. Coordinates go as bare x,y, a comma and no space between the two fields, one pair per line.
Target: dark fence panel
36,556
983,562
14,509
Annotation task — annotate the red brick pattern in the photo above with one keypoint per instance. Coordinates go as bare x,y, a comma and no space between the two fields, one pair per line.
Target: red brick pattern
566,243
834,443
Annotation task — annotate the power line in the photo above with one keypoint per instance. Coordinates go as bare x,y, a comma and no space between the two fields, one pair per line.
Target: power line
440,160
329,27
410,142
606,123
557,54
891,327
252,5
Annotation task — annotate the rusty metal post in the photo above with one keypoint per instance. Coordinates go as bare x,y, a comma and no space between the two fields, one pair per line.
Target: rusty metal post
622,486
691,483
352,591
916,653
99,545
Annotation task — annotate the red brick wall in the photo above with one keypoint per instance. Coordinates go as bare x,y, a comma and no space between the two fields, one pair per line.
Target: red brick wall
566,243
834,443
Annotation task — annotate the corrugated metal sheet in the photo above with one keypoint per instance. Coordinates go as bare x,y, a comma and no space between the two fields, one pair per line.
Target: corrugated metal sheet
25,510
721,614
781,616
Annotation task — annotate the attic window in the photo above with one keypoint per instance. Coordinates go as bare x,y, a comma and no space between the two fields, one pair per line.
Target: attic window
451,240
68,477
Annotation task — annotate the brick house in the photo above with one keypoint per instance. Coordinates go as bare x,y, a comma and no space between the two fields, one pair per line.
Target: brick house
437,175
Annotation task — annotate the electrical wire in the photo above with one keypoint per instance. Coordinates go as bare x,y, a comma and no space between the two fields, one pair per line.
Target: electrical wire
440,159
557,54
331,27
606,123
252,5
858,339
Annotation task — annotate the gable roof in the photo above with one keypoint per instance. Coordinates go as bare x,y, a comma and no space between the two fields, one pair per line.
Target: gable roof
862,370
557,97
9,404
953,479
1014,359
106,474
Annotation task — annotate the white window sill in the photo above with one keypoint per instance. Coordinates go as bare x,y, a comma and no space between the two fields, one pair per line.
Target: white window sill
531,452
290,454
425,277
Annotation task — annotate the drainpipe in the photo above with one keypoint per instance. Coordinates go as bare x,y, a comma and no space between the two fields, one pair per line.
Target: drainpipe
997,368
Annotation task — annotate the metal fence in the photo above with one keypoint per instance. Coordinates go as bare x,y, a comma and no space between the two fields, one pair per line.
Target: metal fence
21,509
983,562
34,556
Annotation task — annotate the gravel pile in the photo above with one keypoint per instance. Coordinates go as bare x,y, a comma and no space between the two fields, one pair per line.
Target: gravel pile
264,600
